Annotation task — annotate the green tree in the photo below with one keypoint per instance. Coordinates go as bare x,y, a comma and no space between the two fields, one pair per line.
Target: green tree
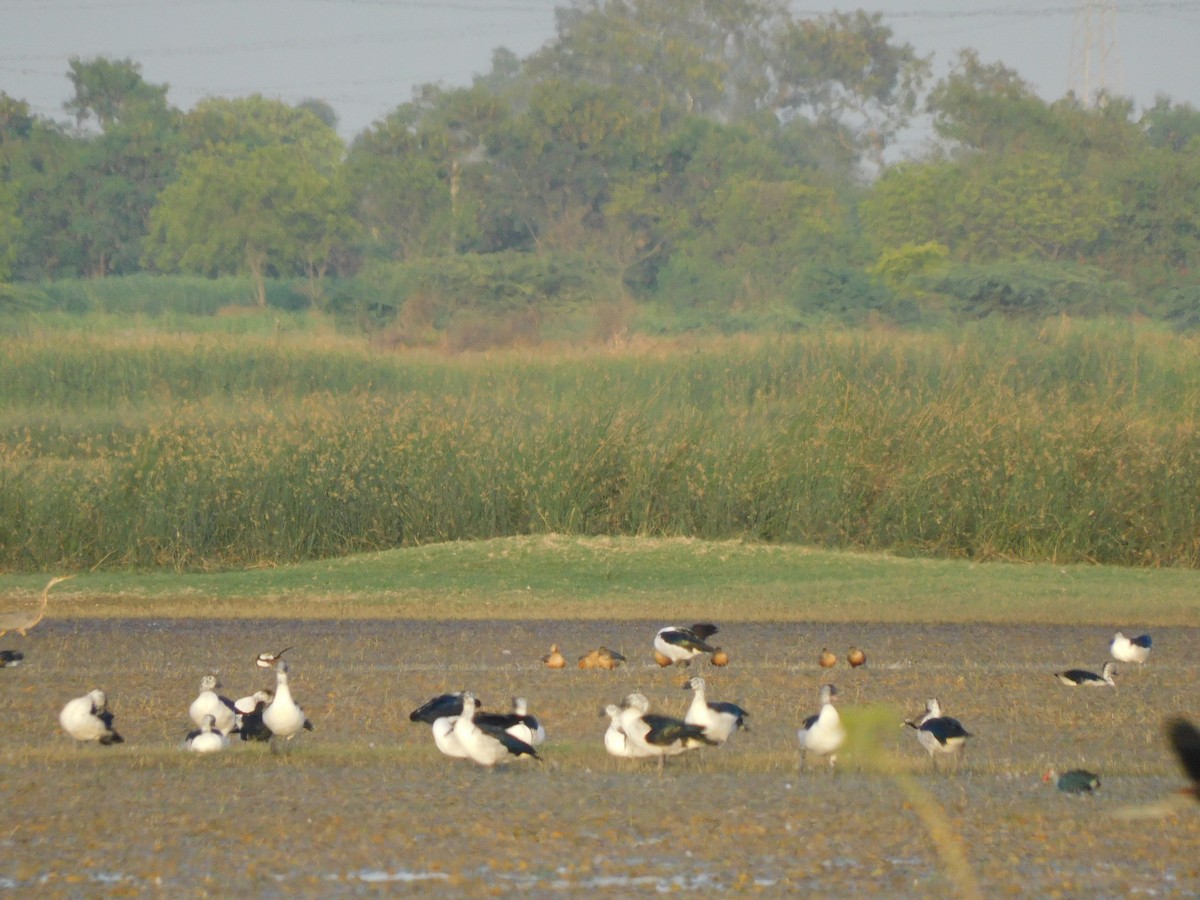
557,162
256,121
262,193
10,231
260,211
112,91
917,203
734,60
322,110
1018,205
844,72
85,197
412,176
1156,232
1170,125
759,241
667,55
989,109
664,204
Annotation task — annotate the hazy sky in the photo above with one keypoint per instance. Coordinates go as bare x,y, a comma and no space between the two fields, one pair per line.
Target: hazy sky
365,56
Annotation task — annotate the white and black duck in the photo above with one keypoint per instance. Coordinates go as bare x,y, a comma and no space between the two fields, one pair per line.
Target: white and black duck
88,718
206,739
718,719
209,703
519,723
937,733
250,716
1084,678
656,735
485,744
616,741
823,733
681,645
266,660
1130,650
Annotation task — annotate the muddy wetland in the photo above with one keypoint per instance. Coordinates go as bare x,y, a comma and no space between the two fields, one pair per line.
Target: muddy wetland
365,802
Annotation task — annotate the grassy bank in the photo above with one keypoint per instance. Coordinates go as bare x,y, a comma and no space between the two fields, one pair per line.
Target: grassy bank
561,577
1066,442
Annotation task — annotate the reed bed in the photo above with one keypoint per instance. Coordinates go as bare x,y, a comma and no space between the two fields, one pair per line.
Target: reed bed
1066,442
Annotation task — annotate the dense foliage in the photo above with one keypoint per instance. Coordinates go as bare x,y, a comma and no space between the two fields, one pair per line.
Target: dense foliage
725,161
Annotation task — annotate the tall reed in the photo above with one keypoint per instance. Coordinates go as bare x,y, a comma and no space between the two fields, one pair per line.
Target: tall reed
1066,442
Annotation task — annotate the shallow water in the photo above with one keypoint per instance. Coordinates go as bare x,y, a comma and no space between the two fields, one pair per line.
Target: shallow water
365,803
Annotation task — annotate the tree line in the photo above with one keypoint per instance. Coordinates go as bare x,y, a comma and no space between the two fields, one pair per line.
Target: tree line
712,157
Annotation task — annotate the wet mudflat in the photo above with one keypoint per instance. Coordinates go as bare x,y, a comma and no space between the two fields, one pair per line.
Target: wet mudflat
366,802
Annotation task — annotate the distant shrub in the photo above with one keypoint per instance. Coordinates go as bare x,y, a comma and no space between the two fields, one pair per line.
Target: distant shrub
1179,305
492,284
1031,289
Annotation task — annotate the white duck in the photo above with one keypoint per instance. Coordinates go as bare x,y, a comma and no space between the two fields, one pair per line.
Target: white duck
283,716
823,733
210,703
446,740
616,741
207,739
87,718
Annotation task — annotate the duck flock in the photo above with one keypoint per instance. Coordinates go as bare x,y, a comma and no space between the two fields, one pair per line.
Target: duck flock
266,715
461,729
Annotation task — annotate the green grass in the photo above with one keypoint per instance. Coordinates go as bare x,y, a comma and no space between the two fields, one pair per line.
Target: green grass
560,577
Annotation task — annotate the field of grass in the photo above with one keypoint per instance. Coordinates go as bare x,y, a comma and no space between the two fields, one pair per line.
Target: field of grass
588,579
146,449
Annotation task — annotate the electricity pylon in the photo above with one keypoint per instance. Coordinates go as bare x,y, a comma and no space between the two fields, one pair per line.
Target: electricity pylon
1095,66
